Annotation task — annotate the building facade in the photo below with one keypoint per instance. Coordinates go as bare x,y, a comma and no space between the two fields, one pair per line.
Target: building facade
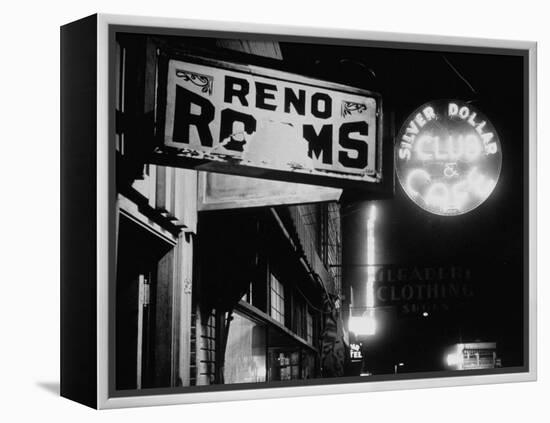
246,295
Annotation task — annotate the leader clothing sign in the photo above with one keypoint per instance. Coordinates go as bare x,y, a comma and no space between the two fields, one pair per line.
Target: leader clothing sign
249,120
448,157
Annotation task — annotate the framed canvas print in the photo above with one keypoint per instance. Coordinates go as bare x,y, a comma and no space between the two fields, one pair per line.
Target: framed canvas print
256,211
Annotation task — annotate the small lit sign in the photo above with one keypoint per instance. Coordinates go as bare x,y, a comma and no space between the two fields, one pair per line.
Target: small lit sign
448,157
355,351
474,355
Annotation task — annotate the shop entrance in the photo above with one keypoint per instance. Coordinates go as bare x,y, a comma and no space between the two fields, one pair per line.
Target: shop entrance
144,271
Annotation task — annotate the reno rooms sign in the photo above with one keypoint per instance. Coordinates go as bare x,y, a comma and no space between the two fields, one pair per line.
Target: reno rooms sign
258,122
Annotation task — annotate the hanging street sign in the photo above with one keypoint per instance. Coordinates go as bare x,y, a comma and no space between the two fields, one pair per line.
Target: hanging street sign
448,157
259,122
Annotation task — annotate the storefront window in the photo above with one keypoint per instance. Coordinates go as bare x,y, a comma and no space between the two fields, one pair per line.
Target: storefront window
284,364
309,328
277,300
245,354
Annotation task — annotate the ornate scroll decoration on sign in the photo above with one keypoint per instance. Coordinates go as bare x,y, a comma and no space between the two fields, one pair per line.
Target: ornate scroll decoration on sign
349,107
202,81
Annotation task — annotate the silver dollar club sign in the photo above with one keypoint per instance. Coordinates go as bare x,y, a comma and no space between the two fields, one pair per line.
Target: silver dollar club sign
448,157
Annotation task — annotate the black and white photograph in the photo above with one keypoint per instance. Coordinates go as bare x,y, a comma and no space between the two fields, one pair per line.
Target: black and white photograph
275,211
298,212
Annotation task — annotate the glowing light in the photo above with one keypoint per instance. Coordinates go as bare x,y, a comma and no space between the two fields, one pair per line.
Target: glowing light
460,194
452,360
414,175
480,185
456,358
365,324
448,157
396,367
437,196
467,148
472,147
420,148
456,149
370,257
362,325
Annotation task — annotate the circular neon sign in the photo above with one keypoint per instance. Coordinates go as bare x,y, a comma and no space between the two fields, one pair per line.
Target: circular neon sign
448,157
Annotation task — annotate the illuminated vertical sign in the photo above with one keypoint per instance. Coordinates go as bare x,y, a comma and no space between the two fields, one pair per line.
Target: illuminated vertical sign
365,322
448,157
